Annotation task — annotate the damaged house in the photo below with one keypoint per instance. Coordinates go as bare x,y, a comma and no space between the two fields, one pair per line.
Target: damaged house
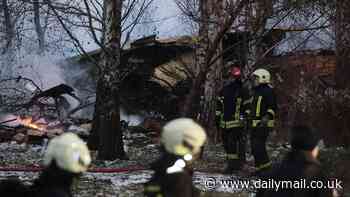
162,69
162,72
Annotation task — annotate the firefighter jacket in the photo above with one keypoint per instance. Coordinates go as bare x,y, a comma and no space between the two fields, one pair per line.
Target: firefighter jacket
261,104
165,184
54,182
230,105
296,167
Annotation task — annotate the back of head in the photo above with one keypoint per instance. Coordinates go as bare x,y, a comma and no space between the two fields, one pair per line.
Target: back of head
303,138
235,72
69,153
183,136
262,76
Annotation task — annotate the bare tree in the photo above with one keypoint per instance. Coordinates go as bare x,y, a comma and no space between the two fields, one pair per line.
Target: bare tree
38,28
342,31
215,19
8,23
105,23
111,144
258,19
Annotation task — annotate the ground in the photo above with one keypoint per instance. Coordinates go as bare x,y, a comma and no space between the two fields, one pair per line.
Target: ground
142,150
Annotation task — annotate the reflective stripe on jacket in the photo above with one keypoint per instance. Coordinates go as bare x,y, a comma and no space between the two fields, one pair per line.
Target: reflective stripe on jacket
232,105
262,103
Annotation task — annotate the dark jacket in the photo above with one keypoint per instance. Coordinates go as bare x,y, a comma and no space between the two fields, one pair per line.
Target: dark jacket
231,105
177,184
296,166
262,103
54,182
13,188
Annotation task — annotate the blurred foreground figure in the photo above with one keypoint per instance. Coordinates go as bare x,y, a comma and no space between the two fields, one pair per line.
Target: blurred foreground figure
65,159
300,164
67,156
182,140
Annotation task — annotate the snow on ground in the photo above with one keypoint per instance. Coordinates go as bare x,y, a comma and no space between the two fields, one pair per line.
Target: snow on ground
142,151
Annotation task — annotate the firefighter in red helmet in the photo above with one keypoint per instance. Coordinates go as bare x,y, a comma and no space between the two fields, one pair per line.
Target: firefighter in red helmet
229,113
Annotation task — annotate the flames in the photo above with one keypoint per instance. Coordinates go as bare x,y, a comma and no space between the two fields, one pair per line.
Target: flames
28,122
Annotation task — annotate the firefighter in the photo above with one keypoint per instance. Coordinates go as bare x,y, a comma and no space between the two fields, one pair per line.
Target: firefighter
261,111
231,123
181,143
66,158
300,164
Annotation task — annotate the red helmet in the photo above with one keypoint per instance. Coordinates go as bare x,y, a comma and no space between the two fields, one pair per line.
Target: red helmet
236,72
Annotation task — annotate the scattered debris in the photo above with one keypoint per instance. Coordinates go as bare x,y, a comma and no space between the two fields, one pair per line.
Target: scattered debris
142,152
20,138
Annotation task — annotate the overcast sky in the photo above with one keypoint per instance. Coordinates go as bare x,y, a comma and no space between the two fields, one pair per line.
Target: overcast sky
171,26
168,24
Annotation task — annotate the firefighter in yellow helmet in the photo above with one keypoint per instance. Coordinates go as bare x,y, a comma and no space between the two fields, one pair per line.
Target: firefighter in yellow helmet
261,110
181,143
66,158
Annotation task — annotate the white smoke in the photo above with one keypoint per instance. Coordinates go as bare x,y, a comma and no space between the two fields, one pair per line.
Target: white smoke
133,119
43,70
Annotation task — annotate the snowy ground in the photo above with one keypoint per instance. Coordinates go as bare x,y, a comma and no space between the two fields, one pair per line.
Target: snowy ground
141,150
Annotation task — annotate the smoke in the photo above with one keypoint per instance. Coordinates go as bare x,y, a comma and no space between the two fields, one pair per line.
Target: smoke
48,71
43,70
133,119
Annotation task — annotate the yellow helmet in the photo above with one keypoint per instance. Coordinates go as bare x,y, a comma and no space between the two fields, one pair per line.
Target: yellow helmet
263,76
183,136
69,152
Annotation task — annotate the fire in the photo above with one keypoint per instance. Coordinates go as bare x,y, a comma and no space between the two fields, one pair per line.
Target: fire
28,122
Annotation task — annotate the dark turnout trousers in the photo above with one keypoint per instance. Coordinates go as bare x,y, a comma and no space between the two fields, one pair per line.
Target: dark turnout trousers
258,138
235,147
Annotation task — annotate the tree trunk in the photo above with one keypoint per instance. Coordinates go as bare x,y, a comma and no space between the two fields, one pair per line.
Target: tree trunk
213,77
6,67
38,27
256,19
110,133
94,138
8,25
214,22
192,103
342,32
